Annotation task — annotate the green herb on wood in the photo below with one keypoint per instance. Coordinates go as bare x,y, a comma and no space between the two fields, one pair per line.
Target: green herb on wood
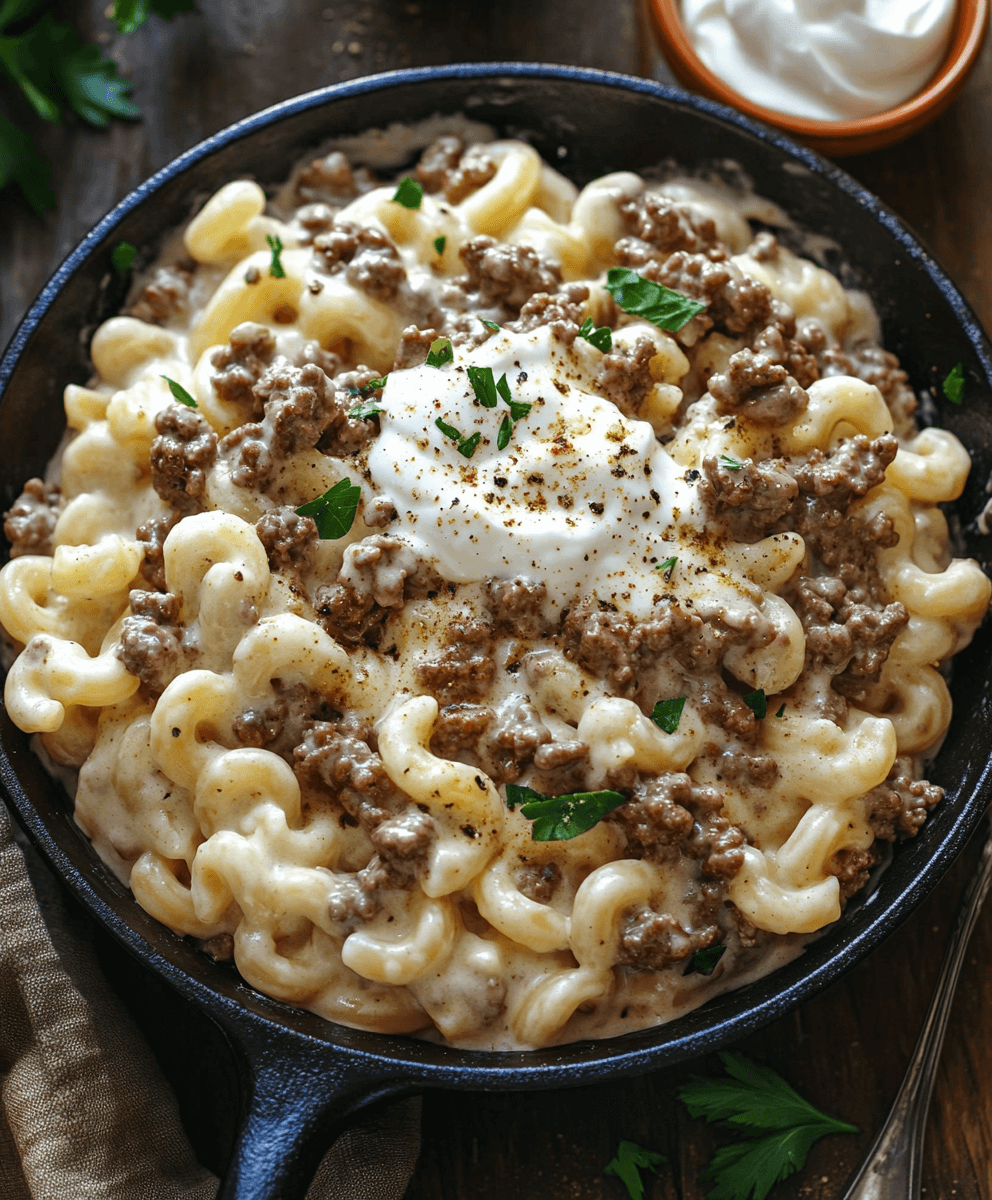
627,1164
755,1098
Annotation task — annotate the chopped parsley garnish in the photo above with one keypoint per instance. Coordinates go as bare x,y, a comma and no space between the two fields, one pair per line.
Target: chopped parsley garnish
560,818
180,392
409,194
517,408
122,257
757,702
602,339
484,385
439,244
440,353
367,389
732,464
668,566
627,1164
756,1098
130,15
490,324
362,412
466,445
642,298
504,434
334,512
781,712
703,962
666,714
275,266
954,384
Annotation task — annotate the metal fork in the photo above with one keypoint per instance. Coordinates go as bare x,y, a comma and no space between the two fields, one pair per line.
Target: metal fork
893,1167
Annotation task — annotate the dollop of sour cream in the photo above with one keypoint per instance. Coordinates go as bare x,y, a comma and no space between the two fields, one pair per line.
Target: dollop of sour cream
581,497
830,60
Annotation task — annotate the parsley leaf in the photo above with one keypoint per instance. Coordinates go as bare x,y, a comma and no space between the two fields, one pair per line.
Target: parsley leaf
440,353
409,194
466,445
362,412
180,393
560,818
732,464
668,566
122,257
641,298
490,324
20,163
954,384
504,434
367,389
756,1098
602,339
627,1164
439,244
666,714
276,269
781,711
334,512
757,702
704,962
484,386
130,15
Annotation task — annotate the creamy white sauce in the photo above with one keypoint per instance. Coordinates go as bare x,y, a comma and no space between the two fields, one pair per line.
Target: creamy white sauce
549,504
830,60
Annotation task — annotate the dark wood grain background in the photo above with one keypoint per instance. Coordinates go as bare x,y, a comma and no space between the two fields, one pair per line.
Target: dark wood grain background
847,1049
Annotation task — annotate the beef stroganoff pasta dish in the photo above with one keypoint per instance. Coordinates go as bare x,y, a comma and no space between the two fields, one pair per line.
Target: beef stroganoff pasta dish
487,609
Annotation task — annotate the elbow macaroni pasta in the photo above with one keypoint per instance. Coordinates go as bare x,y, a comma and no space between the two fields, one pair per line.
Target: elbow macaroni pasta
333,808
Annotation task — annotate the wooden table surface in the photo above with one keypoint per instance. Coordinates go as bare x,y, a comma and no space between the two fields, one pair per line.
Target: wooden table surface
846,1050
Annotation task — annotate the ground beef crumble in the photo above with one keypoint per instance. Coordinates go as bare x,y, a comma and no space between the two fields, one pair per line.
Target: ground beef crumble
465,669
287,537
561,311
501,274
445,166
898,807
366,256
165,297
30,521
151,643
625,375
181,456
240,364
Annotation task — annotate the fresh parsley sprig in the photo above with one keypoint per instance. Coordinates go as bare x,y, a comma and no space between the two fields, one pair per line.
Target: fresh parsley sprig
334,512
409,194
368,408
703,962
466,445
666,714
954,384
180,393
756,1098
644,298
602,339
627,1164
561,818
57,72
130,15
757,702
440,352
276,269
668,566
439,244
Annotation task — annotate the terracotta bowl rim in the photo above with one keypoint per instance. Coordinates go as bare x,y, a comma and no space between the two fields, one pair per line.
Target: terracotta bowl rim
971,24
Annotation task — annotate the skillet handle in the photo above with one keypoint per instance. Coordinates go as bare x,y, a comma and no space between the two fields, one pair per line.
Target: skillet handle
296,1102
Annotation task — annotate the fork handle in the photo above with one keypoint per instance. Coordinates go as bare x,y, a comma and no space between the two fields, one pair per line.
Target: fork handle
893,1167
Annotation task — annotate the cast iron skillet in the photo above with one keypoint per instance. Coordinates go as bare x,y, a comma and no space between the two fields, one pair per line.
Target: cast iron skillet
299,1073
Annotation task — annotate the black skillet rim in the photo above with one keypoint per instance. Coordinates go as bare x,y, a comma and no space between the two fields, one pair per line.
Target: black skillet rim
716,1024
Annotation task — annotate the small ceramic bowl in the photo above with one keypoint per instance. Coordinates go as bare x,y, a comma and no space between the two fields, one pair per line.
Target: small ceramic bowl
834,137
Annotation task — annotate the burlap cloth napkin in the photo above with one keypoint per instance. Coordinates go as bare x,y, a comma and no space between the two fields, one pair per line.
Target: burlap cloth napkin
85,1113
